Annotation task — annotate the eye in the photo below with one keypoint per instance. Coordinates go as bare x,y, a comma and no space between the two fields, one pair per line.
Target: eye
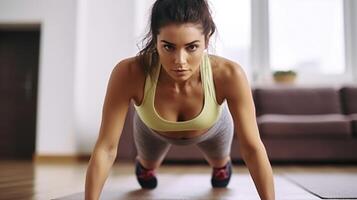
168,47
192,47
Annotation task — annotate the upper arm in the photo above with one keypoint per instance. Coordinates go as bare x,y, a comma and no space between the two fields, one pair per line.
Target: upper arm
115,107
241,105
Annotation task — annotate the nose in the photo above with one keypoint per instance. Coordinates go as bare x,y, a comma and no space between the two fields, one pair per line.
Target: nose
180,58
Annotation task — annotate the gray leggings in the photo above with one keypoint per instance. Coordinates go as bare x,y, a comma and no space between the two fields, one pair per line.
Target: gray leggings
215,143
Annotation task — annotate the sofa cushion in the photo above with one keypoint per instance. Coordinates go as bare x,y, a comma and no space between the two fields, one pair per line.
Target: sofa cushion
298,101
304,126
353,118
349,99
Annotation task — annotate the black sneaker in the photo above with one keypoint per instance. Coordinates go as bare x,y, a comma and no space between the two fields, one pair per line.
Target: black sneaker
221,176
146,177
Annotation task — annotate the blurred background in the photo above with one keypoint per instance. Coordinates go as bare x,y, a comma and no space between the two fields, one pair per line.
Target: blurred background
56,57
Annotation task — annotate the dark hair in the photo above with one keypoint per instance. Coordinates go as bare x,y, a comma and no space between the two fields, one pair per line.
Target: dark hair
165,12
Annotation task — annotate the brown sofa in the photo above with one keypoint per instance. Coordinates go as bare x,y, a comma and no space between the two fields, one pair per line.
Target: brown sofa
295,124
308,124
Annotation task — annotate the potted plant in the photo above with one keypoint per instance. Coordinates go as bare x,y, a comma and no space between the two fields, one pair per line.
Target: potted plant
284,76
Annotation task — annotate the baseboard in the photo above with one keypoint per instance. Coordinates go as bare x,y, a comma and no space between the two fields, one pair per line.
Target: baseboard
60,158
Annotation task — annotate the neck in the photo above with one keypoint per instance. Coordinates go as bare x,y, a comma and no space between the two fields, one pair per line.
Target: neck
167,80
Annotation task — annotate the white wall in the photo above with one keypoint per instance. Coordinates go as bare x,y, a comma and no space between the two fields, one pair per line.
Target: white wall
105,36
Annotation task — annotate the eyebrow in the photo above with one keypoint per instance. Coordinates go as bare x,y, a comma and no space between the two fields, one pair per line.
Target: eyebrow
175,44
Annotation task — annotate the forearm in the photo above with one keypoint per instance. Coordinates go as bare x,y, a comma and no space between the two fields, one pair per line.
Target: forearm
97,172
261,172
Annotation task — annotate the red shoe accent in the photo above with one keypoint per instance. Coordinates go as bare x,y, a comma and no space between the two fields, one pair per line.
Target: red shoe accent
146,174
220,173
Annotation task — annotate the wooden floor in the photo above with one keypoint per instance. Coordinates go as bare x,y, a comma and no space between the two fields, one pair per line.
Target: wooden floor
27,180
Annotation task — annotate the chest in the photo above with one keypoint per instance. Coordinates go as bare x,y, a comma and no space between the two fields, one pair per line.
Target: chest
181,105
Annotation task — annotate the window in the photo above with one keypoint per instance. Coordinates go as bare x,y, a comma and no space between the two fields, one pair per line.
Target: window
307,36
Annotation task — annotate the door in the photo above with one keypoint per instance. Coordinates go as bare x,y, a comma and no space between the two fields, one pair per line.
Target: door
19,59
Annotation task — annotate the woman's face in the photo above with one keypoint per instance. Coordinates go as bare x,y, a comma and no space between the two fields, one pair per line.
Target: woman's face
180,48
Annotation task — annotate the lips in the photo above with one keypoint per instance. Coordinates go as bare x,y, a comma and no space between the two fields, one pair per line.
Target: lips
180,72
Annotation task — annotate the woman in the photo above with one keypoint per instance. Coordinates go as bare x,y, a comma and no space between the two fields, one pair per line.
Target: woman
182,96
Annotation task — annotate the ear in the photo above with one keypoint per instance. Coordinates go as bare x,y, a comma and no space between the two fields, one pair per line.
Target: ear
206,43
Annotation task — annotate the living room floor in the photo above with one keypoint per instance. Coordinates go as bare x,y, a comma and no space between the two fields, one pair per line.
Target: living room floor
65,180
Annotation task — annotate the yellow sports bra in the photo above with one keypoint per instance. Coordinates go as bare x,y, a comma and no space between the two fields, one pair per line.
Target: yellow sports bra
208,116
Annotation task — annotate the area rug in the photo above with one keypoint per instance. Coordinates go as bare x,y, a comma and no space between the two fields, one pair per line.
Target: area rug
327,185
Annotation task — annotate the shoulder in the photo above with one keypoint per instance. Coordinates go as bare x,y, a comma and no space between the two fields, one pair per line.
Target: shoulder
232,84
225,69
127,70
129,67
227,74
